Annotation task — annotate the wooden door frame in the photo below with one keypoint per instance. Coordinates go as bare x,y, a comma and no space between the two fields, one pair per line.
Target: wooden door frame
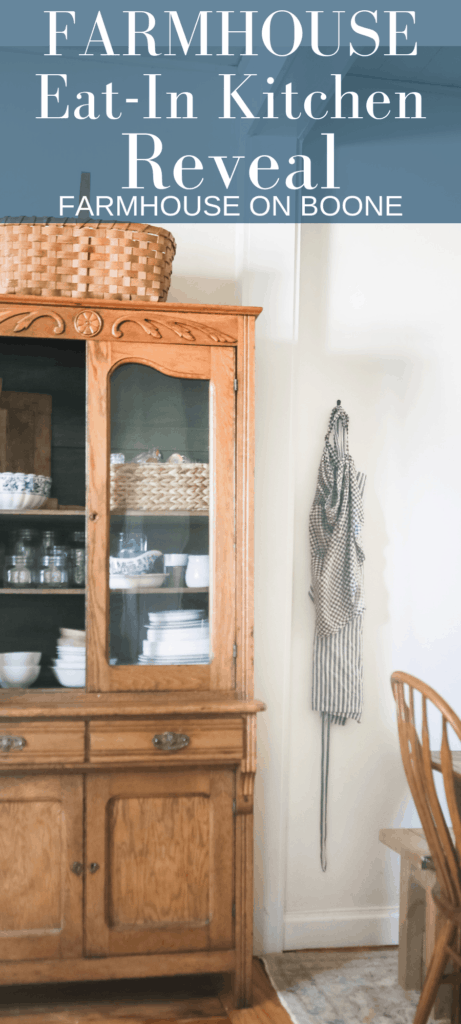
205,362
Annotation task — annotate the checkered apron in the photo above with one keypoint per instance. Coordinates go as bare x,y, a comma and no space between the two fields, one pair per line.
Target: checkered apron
335,526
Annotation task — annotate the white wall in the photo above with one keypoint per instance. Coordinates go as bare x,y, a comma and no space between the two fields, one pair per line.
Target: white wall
378,328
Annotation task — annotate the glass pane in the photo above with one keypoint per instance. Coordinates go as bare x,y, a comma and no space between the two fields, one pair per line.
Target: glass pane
159,533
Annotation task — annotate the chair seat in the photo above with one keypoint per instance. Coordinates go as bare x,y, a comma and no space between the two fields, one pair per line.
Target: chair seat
411,843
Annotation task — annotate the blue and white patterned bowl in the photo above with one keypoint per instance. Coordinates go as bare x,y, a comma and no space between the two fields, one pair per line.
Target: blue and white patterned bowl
134,566
23,490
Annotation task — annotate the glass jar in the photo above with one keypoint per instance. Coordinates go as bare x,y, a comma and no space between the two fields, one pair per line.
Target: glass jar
25,544
19,571
47,543
78,558
54,570
131,544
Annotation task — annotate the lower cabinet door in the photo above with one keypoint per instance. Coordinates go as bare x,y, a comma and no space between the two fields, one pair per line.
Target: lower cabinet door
160,861
41,835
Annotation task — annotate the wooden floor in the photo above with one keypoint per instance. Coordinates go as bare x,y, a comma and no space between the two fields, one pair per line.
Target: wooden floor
145,1001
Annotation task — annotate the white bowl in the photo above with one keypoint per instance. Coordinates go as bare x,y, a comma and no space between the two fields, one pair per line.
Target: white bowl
70,676
57,664
20,658
23,490
19,675
156,579
21,500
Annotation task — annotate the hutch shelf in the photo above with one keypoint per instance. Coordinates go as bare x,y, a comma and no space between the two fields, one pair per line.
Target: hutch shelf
126,807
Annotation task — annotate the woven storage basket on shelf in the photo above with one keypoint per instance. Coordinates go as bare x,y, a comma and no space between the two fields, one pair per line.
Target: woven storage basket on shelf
157,487
95,260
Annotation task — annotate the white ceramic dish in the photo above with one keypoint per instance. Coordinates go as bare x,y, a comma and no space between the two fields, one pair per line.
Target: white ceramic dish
71,660
15,502
77,634
71,677
194,633
137,582
23,490
172,649
70,646
191,659
21,676
181,647
133,566
58,663
72,654
20,658
184,615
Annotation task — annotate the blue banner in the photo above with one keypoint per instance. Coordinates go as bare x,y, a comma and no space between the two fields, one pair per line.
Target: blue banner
209,115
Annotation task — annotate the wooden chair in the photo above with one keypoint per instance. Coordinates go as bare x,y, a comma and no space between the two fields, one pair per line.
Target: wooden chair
445,852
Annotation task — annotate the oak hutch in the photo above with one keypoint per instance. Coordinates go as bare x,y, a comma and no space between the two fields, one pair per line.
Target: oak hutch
126,807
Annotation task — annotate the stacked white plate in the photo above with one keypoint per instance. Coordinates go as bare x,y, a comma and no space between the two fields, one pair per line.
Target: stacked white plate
70,665
177,638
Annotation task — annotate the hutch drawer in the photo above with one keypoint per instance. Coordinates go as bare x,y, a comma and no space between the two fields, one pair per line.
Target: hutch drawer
41,743
167,740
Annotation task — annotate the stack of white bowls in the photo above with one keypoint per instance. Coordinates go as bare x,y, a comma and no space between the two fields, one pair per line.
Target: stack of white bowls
19,669
176,638
70,665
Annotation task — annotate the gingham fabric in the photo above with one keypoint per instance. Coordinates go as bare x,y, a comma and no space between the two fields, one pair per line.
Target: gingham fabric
337,558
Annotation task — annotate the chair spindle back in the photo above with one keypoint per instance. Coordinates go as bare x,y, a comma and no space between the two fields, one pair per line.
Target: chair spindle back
415,747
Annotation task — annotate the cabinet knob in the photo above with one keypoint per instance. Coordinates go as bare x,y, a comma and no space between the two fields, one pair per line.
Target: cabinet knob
93,516
76,867
170,741
93,867
8,743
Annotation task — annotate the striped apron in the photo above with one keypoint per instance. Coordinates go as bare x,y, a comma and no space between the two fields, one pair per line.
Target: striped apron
335,526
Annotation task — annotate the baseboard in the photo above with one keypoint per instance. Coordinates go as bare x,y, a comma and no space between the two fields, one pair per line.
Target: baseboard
330,929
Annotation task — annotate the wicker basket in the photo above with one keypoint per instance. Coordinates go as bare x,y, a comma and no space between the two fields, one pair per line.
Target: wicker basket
104,260
156,487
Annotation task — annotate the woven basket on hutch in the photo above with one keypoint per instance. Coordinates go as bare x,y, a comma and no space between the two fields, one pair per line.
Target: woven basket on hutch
157,487
96,260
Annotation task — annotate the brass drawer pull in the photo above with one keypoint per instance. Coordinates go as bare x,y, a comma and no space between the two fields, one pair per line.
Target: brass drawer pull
170,741
93,867
76,867
8,743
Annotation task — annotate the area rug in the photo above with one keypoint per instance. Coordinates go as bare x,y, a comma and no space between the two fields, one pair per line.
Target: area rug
341,987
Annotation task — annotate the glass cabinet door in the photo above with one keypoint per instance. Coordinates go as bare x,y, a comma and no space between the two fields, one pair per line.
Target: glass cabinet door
161,572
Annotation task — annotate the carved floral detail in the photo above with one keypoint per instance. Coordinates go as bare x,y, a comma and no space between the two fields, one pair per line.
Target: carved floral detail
146,325
183,329
27,318
211,332
88,323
